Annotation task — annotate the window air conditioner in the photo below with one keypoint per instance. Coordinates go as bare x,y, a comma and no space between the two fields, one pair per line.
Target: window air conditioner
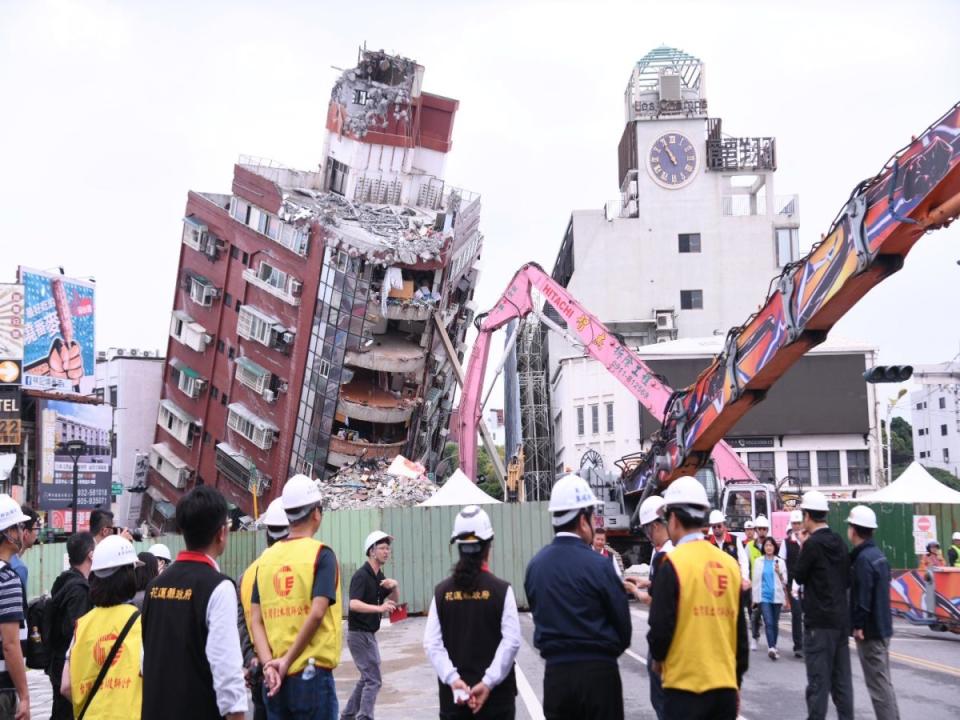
269,395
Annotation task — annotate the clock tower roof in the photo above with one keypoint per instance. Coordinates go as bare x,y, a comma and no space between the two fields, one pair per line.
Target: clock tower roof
666,82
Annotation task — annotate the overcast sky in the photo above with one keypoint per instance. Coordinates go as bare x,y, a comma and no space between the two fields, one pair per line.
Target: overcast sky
112,111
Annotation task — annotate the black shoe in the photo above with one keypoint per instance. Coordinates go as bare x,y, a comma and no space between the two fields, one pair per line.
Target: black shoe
797,653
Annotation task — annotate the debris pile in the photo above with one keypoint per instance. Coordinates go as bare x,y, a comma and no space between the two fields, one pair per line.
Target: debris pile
378,89
378,483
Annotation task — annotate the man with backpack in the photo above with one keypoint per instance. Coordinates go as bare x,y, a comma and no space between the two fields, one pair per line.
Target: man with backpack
70,600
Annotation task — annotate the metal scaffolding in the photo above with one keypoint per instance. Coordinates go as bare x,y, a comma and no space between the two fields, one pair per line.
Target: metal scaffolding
536,423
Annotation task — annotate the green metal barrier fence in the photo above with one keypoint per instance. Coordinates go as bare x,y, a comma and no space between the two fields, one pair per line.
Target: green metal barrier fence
895,532
422,555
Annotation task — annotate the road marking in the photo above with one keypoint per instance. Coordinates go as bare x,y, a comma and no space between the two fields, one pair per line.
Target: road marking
529,697
636,657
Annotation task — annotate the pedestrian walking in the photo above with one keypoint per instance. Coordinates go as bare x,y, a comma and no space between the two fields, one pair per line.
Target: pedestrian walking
371,595
580,612
69,601
953,554
724,540
790,554
655,529
101,675
162,553
278,527
696,604
769,592
297,623
824,571
473,632
192,664
14,693
762,529
870,618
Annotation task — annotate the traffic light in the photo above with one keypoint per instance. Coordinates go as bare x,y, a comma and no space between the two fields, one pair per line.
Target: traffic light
888,374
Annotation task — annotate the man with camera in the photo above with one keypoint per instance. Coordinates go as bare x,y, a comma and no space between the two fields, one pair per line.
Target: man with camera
101,527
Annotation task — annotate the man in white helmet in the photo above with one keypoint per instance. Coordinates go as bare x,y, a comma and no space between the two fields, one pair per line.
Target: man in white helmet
870,617
473,632
696,605
162,553
580,612
790,554
297,620
824,571
371,595
953,552
14,694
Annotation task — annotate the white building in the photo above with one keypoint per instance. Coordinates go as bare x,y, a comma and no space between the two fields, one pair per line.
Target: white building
935,411
493,417
818,424
130,381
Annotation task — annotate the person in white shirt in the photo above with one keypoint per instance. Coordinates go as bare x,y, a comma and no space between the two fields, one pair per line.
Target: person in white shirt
473,632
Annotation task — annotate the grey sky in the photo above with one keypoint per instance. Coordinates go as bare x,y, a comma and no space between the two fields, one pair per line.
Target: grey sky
113,110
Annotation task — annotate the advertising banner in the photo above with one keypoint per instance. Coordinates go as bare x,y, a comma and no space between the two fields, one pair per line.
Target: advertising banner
11,322
61,422
58,332
9,415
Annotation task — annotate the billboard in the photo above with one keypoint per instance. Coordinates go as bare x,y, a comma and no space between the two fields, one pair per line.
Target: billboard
58,331
11,322
60,422
10,416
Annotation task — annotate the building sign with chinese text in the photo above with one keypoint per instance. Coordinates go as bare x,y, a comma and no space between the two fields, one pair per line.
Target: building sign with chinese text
11,322
10,416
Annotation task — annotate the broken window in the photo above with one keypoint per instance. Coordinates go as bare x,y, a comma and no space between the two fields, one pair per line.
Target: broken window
359,97
337,176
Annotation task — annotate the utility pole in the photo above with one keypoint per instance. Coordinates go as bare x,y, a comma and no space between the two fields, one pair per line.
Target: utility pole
75,448
890,405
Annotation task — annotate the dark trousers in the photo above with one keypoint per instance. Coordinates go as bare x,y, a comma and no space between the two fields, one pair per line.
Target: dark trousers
796,622
710,705
62,708
827,657
755,617
656,689
575,691
875,661
501,712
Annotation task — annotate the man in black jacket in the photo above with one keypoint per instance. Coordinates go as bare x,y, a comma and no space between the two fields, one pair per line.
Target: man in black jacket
870,611
580,613
824,571
70,600
790,553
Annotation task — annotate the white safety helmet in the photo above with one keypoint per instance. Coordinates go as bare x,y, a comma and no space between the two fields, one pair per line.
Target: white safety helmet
687,495
375,538
569,496
956,537
796,516
275,520
650,509
160,551
300,496
748,525
762,522
113,552
471,529
862,516
10,512
814,500
717,518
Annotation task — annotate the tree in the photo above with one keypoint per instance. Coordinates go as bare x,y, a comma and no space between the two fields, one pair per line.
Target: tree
944,476
486,477
901,446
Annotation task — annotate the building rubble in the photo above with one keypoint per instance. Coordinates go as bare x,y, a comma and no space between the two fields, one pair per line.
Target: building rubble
370,484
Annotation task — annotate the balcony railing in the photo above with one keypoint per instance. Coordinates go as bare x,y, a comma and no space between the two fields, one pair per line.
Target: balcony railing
290,293
356,448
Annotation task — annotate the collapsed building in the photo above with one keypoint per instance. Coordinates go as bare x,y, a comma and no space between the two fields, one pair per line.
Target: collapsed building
307,323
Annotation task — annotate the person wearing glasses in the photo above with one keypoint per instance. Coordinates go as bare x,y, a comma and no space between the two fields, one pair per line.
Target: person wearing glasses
192,662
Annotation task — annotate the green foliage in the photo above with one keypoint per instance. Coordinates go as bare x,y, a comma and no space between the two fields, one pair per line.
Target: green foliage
486,477
902,445
944,476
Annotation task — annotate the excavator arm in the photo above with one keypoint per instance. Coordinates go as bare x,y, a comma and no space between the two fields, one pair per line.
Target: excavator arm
516,303
918,190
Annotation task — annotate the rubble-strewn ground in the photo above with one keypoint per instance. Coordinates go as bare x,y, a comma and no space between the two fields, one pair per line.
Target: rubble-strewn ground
367,484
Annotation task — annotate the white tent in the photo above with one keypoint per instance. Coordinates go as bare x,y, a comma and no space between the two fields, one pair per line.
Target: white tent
915,485
459,490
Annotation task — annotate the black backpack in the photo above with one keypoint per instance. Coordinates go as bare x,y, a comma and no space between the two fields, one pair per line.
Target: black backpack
40,613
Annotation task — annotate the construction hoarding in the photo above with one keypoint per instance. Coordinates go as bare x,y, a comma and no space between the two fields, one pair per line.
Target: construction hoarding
58,331
58,423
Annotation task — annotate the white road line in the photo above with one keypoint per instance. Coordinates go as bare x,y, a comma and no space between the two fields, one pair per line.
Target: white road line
636,657
529,697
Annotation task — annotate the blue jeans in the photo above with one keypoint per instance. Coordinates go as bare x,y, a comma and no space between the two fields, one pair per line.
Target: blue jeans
771,618
299,699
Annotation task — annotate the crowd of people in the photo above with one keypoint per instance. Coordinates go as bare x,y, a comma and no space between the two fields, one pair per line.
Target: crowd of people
152,636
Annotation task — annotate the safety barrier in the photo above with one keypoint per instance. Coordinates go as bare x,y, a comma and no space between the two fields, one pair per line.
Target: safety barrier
422,555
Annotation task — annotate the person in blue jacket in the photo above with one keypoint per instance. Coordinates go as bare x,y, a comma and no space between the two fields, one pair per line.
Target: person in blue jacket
580,612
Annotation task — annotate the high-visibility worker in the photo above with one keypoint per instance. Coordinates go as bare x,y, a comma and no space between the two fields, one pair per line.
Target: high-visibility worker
296,630
953,554
754,549
473,631
696,604
112,620
278,527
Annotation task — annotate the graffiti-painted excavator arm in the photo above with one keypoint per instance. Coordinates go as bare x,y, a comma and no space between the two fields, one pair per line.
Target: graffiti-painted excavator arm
517,302
916,191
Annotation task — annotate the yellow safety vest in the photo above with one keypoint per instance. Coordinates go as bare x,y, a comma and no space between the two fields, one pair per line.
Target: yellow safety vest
247,582
285,574
121,692
753,551
707,608
956,549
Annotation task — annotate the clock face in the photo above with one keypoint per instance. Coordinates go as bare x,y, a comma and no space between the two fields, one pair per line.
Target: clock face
672,161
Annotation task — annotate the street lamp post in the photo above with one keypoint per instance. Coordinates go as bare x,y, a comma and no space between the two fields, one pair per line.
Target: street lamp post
75,448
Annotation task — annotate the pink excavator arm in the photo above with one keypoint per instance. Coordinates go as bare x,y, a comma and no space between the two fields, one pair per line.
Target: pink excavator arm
600,343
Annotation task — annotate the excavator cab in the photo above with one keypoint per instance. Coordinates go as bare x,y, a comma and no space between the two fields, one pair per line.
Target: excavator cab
744,501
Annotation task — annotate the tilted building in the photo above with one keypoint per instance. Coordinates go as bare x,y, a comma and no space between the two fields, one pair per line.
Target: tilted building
305,331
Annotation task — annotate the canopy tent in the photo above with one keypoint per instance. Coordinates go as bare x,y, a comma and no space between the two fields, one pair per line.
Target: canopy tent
915,485
459,490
